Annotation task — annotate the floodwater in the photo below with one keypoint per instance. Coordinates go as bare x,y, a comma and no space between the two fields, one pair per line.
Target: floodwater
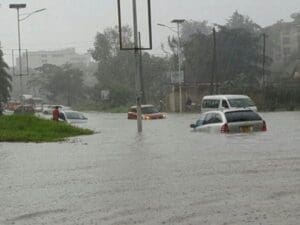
166,175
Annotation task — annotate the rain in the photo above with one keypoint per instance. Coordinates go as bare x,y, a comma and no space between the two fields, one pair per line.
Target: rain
178,112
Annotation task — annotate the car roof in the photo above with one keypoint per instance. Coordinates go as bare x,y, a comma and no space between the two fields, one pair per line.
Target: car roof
69,111
229,110
143,106
224,96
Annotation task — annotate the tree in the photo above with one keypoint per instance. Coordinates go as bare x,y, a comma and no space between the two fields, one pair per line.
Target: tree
239,21
238,53
116,69
196,48
155,78
198,55
5,78
189,28
61,84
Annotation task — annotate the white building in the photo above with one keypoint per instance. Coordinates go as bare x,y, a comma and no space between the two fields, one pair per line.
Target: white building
284,39
59,57
37,59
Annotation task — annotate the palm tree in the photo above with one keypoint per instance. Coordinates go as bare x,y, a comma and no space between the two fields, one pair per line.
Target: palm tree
5,79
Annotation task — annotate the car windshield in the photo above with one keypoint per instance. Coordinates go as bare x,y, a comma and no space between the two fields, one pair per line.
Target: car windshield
74,116
241,102
149,110
240,116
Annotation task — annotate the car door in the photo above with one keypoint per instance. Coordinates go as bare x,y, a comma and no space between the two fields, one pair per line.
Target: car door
199,122
212,122
206,122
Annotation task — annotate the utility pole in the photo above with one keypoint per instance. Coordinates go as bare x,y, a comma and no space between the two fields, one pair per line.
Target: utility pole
137,67
179,68
213,71
143,100
18,7
136,49
178,22
264,61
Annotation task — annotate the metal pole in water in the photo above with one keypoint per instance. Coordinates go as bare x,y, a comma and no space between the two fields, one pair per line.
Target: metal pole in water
137,66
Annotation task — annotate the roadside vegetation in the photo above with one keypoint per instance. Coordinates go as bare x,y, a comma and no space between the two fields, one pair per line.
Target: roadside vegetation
28,128
5,79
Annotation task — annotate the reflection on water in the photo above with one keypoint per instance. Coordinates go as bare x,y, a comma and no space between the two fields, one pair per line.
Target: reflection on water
166,175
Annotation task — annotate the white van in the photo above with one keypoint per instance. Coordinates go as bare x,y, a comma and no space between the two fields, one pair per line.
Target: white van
221,102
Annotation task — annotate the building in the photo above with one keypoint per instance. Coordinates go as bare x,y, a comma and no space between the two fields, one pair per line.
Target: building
35,59
283,39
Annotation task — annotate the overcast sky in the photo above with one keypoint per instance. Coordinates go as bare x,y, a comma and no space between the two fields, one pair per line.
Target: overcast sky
74,23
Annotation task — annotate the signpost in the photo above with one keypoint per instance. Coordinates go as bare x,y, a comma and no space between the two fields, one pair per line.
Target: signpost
137,47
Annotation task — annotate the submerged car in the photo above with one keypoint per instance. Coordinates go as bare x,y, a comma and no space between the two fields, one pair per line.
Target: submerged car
230,121
47,109
149,112
72,117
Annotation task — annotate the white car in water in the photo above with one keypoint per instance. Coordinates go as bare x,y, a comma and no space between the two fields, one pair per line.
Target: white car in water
223,102
72,117
230,121
47,109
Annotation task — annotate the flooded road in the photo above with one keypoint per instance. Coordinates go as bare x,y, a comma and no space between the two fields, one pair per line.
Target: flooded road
166,175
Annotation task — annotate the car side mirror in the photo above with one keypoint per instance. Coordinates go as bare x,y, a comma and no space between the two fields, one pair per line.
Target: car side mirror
193,125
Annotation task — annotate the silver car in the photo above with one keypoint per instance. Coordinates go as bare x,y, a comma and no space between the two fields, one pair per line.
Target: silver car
72,117
230,121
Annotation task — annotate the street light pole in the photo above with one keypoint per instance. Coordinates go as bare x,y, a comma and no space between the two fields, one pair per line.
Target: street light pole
29,14
20,62
18,6
178,22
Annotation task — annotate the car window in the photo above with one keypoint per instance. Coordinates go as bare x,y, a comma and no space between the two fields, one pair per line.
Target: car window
200,121
74,115
239,116
133,110
241,102
218,118
212,118
210,103
149,110
225,104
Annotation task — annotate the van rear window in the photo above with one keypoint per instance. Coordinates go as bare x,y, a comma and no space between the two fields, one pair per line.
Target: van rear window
210,103
241,102
239,116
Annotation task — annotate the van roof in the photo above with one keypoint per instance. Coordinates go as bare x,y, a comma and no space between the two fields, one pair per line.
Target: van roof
224,96
142,106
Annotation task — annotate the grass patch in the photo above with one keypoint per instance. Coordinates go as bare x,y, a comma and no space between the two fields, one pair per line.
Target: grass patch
28,128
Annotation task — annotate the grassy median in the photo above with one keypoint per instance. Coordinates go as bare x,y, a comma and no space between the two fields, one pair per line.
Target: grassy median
28,128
